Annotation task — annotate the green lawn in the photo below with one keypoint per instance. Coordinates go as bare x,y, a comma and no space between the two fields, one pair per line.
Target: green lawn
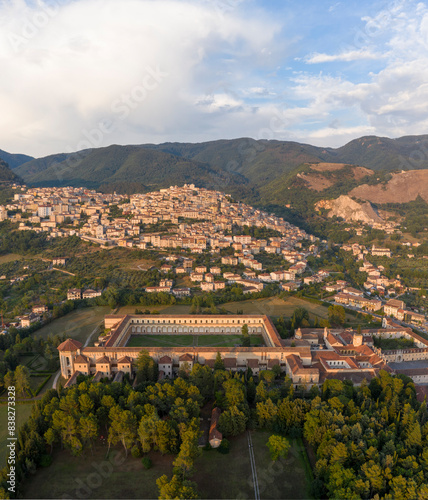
23,411
77,325
227,340
95,476
160,341
190,340
35,362
218,476
229,476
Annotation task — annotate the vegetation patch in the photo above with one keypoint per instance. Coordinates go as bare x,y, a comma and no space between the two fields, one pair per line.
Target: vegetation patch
390,344
23,411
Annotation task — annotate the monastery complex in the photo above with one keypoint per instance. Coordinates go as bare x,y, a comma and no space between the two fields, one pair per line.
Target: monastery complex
311,357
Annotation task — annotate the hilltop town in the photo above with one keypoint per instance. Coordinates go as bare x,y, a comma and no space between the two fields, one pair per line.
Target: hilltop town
209,215
247,247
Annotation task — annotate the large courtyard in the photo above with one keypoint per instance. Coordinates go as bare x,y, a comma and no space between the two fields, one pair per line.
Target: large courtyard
191,341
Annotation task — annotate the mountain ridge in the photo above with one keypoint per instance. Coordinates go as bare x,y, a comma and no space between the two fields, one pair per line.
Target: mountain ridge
246,167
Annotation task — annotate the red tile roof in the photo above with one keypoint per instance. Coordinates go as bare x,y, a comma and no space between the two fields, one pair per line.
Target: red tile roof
104,359
185,357
70,345
125,359
214,432
81,359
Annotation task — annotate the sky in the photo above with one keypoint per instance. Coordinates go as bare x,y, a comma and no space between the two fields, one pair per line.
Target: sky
76,74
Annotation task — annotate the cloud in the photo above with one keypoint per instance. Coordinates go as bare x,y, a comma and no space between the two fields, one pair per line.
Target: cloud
352,55
77,73
81,63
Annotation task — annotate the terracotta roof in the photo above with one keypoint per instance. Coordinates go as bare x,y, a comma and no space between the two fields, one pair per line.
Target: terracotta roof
125,359
185,357
70,345
214,432
210,363
165,360
412,371
104,359
253,363
229,362
72,380
81,359
294,362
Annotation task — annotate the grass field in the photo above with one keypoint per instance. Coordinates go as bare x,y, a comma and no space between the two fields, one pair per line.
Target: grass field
22,413
175,309
218,476
190,340
286,479
274,306
10,257
77,325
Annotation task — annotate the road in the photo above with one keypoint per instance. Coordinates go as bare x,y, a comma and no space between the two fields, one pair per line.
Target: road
253,467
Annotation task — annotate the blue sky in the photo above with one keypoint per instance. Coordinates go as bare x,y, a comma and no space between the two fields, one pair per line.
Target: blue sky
89,73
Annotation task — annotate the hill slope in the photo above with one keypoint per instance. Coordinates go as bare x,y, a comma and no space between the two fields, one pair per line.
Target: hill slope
6,174
248,168
14,160
118,165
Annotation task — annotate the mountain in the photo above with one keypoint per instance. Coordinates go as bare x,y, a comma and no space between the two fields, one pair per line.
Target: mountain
382,153
259,161
256,163
14,160
6,174
39,165
118,166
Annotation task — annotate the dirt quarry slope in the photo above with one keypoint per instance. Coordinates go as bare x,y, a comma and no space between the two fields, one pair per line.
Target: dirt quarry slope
324,175
350,210
402,188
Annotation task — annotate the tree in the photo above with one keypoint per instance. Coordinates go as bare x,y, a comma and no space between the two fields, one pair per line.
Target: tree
202,376
232,422
22,379
147,368
234,392
88,428
86,404
9,379
218,364
166,437
278,447
336,315
147,430
176,488
246,341
189,450
123,428
50,437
